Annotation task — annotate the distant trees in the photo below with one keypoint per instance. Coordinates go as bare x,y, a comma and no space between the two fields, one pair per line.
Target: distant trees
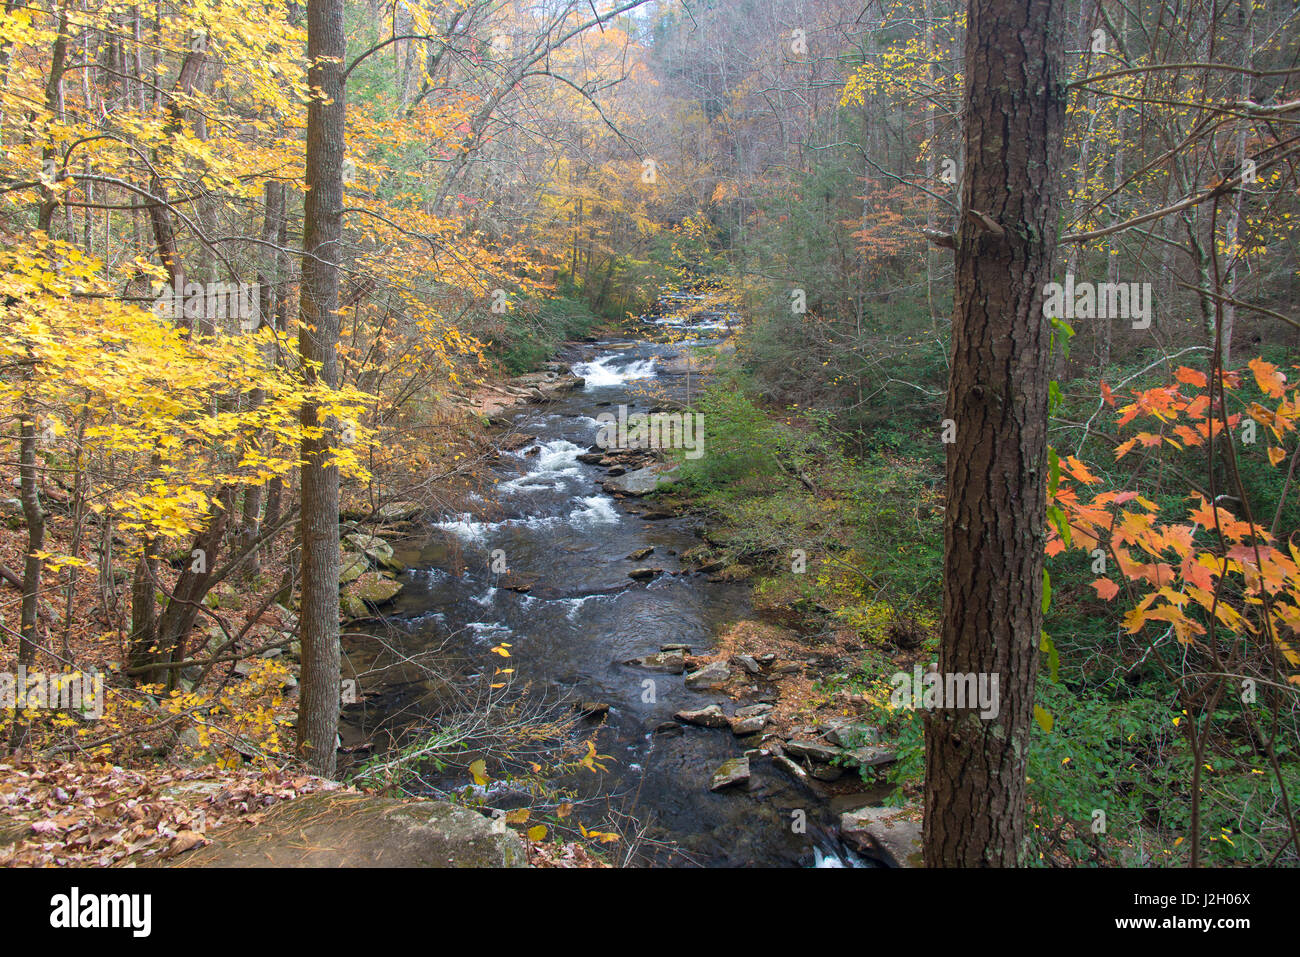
155,157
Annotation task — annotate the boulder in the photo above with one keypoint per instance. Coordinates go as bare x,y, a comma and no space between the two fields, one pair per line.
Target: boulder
710,717
748,663
352,567
639,482
374,589
644,574
370,545
187,751
751,725
733,573
359,830
713,675
887,834
400,511
352,607
641,553
846,733
701,557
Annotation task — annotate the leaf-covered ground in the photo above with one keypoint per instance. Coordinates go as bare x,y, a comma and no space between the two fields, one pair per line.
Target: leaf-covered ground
83,814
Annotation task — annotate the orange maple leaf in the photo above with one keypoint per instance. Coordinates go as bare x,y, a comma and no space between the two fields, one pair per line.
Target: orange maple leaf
1267,376
1106,589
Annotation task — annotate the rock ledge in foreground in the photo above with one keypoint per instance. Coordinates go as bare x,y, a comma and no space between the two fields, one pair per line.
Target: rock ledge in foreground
359,830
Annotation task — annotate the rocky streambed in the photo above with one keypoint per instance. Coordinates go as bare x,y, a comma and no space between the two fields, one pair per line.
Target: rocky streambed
612,601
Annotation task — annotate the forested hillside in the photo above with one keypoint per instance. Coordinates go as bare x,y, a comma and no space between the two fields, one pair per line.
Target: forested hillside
679,432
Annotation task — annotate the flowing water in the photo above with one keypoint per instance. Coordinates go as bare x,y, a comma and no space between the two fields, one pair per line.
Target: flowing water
583,617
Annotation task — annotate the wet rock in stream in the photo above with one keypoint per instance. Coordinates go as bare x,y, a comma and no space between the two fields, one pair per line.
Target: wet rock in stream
730,774
708,717
713,675
671,662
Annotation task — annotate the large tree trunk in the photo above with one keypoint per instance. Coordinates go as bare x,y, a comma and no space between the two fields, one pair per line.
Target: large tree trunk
996,469
318,333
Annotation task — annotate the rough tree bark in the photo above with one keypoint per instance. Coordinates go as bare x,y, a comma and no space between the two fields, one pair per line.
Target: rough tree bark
318,333
996,490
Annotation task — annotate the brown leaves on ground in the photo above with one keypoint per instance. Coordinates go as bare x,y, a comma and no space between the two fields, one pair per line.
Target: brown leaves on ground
562,855
798,701
84,814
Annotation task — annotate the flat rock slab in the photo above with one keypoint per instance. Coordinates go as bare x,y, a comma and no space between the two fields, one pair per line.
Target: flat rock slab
400,511
371,545
373,589
710,717
812,750
714,675
673,662
869,756
794,770
359,830
751,725
733,772
641,482
887,834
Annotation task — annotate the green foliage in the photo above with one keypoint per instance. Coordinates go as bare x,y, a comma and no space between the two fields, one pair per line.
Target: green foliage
868,525
744,445
531,332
